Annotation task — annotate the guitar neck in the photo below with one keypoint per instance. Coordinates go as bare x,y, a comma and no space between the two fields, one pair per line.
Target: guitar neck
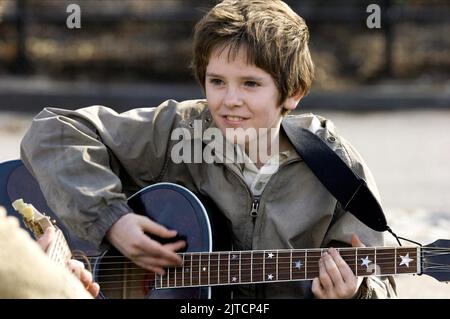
59,250
265,266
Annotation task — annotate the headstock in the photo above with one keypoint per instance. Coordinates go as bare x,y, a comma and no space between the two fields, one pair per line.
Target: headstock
33,219
436,260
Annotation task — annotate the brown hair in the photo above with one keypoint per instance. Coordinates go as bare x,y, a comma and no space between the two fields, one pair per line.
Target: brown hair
276,39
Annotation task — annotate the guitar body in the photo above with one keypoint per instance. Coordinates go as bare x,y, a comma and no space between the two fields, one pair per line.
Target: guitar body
175,207
17,182
169,204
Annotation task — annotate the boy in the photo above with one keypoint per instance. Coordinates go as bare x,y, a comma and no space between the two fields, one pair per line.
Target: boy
252,60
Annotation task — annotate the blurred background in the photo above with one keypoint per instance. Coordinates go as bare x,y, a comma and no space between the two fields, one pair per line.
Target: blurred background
387,89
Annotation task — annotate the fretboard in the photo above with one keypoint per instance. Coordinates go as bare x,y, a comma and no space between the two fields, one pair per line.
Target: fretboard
59,251
265,266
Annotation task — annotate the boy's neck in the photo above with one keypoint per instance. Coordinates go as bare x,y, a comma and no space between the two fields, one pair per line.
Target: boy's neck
279,142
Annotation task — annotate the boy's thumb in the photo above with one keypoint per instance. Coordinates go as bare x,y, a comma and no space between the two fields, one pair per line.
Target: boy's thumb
356,242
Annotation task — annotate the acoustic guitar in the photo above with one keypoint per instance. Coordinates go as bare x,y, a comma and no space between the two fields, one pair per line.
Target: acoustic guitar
206,266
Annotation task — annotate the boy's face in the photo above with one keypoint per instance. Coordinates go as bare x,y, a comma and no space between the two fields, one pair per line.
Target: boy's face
241,95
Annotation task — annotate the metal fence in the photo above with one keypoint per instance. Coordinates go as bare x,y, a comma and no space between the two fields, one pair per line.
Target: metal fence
24,13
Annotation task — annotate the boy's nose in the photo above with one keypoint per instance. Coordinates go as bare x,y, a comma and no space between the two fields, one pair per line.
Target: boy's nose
232,98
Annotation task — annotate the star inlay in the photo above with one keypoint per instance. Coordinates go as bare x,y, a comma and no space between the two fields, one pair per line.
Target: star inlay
234,256
270,255
405,260
234,279
269,277
204,268
298,264
365,261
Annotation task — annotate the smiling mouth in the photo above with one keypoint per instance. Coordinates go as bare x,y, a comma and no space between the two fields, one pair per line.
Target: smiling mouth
236,119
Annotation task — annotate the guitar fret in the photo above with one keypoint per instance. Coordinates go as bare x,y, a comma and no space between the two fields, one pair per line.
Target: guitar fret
277,267
251,266
228,267
218,268
204,269
190,271
366,261
175,276
209,269
383,257
167,274
306,264
223,262
258,266
234,267
395,260
406,260
264,265
246,265
234,263
182,272
270,266
214,268
284,265
375,261
290,268
240,265
312,264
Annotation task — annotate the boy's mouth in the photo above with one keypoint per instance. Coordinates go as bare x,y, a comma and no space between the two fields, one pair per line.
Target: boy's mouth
234,119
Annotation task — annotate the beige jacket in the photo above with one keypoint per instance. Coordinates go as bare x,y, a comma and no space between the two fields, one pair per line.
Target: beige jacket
88,161
25,270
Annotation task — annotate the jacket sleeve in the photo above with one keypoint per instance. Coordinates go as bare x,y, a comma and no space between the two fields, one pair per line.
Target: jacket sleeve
344,224
27,272
81,158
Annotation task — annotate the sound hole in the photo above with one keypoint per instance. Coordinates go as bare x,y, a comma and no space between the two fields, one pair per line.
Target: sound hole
119,278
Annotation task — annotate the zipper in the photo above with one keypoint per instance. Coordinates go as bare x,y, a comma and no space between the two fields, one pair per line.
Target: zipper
255,207
256,199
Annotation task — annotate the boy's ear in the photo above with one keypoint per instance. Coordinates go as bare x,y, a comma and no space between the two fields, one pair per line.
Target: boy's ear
291,102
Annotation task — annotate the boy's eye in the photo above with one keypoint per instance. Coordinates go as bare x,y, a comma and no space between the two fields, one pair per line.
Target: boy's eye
216,81
251,84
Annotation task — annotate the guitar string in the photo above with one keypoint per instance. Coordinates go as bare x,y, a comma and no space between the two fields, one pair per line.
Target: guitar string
257,258
281,267
246,256
380,262
379,252
203,281
201,278
284,271
248,262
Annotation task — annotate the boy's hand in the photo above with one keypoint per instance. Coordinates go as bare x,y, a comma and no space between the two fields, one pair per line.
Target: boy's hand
75,266
336,280
129,236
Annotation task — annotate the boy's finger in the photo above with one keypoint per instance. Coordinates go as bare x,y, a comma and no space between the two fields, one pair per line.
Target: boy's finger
332,269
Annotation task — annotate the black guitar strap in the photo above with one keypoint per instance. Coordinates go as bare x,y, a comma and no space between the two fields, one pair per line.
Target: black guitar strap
350,190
